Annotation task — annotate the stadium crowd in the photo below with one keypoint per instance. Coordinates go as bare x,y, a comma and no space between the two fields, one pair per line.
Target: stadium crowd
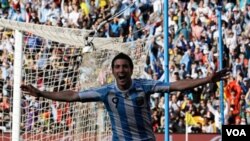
193,51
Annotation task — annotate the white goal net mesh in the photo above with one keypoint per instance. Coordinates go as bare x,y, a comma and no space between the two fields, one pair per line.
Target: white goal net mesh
56,59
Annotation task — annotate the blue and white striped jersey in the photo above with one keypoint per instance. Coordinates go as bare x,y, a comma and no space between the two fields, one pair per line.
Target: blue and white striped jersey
129,110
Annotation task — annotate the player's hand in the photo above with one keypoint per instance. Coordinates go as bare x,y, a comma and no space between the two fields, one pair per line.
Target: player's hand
30,90
220,75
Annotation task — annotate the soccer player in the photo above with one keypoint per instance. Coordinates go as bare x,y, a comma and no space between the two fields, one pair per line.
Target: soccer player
126,99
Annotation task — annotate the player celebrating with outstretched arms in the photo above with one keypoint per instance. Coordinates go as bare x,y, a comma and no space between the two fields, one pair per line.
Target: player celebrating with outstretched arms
127,99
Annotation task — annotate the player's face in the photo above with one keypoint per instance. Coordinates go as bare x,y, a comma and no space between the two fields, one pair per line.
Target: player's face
122,72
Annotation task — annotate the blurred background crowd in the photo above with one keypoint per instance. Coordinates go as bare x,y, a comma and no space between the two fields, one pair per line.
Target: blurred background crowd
193,51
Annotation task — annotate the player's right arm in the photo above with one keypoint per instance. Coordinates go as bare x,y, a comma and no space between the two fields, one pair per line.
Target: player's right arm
66,96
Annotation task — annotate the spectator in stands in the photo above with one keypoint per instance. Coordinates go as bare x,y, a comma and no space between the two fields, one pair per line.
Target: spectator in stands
247,99
215,110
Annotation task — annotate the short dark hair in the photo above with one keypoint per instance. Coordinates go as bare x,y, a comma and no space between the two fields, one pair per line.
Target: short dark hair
122,56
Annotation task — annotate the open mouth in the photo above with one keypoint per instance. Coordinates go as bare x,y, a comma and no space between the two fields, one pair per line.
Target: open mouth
122,77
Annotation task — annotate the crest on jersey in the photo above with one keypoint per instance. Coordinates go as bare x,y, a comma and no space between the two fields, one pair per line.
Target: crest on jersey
139,101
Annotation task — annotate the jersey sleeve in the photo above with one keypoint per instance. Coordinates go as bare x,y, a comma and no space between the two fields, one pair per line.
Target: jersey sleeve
93,95
152,86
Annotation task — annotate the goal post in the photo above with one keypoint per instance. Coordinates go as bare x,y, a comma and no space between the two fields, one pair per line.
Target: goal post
55,59
16,86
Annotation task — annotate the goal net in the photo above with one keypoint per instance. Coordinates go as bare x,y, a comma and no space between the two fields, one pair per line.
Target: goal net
56,59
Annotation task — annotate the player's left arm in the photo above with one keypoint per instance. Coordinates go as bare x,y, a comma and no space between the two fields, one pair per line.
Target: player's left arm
192,83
